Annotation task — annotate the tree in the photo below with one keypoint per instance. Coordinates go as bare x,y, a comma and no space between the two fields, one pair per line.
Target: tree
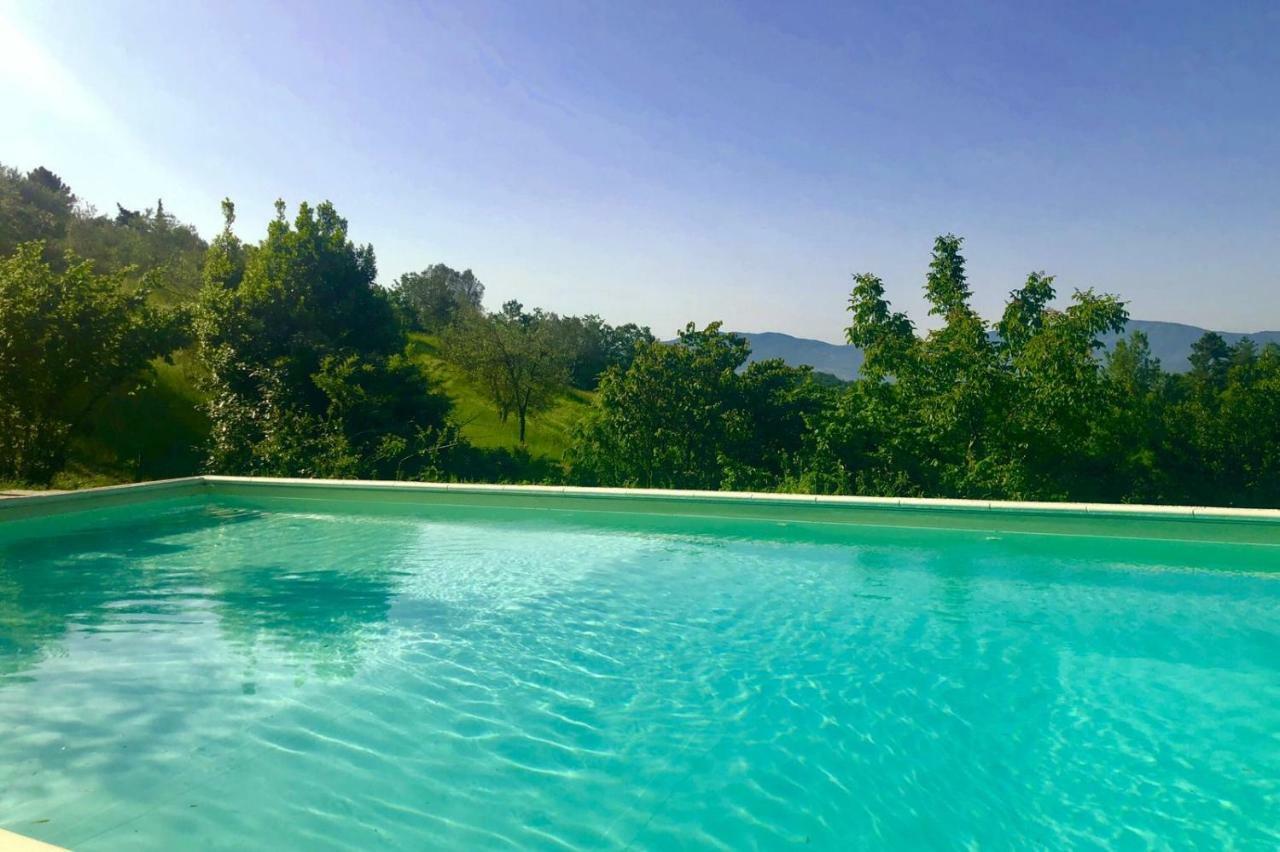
1132,429
773,427
150,239
42,177
682,415
1058,394
594,346
662,422
438,295
973,411
34,206
931,399
1210,360
1222,426
302,352
518,357
955,386
40,206
886,338
66,341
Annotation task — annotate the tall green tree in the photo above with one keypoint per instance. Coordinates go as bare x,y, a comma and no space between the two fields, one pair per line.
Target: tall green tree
306,374
971,410
1058,393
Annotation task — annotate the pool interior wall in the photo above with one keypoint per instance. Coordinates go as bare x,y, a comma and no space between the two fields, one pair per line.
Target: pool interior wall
1169,523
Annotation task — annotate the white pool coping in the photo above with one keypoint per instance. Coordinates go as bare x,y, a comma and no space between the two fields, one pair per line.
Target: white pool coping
197,484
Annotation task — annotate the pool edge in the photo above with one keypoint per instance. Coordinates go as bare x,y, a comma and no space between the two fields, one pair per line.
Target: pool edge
931,503
63,502
1257,526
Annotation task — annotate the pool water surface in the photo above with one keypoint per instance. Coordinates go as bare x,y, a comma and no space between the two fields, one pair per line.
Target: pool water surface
224,673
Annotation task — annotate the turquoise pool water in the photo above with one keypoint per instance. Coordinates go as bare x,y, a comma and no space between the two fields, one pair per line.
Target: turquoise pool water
232,673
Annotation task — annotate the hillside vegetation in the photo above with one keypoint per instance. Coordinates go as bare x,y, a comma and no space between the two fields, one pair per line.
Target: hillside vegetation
131,348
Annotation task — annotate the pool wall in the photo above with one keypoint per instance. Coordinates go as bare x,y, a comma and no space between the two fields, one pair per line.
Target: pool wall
61,502
1198,523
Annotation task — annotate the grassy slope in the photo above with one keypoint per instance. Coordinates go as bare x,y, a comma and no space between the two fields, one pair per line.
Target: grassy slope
548,431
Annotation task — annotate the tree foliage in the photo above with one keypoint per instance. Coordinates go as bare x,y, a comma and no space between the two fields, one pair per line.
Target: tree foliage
41,206
1218,441
34,206
1028,407
67,339
970,410
686,415
306,375
438,296
594,346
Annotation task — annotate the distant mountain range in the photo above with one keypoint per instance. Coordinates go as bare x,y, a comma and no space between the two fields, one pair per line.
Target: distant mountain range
1170,342
843,362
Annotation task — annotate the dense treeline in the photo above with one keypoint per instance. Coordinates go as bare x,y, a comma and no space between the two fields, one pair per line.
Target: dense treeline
38,206
1027,408
127,338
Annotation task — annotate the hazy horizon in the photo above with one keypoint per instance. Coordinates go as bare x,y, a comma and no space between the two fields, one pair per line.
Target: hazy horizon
720,162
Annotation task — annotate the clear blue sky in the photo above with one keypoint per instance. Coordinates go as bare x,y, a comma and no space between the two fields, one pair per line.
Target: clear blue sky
698,160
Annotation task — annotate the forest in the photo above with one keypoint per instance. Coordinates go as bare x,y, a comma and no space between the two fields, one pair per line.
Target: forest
132,348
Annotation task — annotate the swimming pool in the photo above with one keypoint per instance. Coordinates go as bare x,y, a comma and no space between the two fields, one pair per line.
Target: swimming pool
219,663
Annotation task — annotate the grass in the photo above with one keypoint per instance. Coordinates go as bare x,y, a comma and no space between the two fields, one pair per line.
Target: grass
548,432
